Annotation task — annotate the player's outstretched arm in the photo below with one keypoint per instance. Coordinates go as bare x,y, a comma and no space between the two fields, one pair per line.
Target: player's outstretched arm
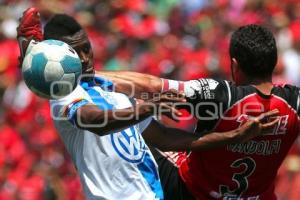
133,83
171,139
143,86
105,121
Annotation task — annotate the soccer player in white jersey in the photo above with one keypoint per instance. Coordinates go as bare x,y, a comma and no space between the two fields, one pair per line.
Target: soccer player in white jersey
113,161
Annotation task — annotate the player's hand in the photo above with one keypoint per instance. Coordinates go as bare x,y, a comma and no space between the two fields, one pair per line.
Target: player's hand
257,126
164,104
29,29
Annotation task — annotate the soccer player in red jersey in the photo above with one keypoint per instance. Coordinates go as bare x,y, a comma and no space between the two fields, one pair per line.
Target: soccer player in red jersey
244,171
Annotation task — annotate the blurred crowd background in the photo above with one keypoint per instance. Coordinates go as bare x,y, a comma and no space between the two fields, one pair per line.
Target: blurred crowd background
177,39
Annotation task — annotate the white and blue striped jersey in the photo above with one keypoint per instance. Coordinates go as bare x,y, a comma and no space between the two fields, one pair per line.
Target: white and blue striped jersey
116,166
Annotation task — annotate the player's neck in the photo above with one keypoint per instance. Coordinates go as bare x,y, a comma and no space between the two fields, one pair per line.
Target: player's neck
263,85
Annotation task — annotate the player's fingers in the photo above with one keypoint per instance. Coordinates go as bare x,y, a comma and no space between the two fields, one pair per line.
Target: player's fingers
272,113
173,110
248,131
271,124
167,98
172,96
264,116
173,92
178,93
172,99
250,126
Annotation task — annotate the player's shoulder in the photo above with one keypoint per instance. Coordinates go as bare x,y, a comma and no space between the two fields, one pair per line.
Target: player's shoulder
77,93
286,90
59,105
213,87
288,93
89,90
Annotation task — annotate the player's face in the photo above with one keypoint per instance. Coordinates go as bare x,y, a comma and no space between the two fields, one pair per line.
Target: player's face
80,42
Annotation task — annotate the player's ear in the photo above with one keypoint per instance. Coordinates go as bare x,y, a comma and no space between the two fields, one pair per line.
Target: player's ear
234,64
238,76
234,69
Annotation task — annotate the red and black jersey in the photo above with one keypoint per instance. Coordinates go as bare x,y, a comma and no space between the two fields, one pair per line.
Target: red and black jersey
239,171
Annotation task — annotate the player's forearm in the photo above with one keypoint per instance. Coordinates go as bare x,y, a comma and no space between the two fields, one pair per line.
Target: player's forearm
211,140
172,139
176,140
168,139
103,122
247,131
133,83
215,140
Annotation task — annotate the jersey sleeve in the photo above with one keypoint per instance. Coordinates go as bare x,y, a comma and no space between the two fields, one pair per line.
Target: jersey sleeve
298,101
291,94
207,94
66,108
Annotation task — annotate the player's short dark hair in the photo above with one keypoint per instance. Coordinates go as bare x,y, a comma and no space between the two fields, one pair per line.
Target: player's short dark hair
61,25
254,48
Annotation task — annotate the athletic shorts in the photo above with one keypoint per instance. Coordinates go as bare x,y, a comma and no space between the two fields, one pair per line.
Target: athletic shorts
173,186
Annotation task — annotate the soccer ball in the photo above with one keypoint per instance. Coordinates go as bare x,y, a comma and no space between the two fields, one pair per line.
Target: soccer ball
51,68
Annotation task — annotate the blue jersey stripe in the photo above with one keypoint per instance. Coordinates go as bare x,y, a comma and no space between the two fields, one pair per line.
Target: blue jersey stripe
149,172
98,100
96,97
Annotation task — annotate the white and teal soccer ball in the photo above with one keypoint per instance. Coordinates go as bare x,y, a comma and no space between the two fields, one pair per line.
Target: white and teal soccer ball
51,68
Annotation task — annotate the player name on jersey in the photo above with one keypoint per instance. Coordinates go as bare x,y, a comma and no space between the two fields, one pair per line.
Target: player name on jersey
262,147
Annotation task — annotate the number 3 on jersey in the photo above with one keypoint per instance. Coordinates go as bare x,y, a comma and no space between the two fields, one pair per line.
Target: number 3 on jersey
240,178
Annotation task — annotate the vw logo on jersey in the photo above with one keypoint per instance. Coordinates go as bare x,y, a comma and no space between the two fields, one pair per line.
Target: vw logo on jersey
129,145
